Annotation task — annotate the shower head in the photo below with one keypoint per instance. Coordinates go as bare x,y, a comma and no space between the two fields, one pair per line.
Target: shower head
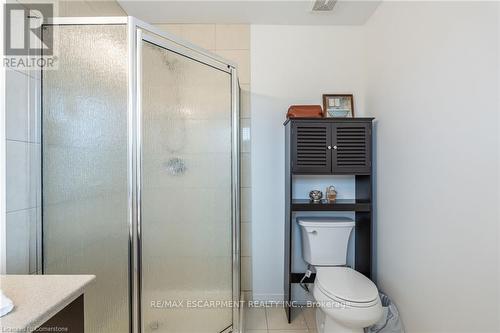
176,166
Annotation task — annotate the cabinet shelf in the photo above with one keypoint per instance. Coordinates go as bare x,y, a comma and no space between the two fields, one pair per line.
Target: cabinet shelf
337,173
340,205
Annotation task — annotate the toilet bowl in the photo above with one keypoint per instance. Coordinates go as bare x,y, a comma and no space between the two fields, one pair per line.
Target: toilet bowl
347,300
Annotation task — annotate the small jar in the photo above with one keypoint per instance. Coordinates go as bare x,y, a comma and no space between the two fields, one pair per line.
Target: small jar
331,194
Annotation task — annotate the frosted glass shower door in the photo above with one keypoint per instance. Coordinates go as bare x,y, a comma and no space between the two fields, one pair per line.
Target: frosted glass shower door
84,155
186,236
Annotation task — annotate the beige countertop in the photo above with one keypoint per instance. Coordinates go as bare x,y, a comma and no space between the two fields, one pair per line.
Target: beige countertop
38,297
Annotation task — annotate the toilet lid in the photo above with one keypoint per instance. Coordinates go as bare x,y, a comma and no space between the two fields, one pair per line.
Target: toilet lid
346,284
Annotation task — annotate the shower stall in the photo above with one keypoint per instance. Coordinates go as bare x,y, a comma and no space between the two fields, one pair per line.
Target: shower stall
140,176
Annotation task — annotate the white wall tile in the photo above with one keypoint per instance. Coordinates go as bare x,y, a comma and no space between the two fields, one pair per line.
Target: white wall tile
175,29
246,239
22,107
245,135
232,36
22,173
35,109
89,8
39,240
246,175
246,205
106,8
245,111
200,34
17,114
76,9
32,233
246,273
21,241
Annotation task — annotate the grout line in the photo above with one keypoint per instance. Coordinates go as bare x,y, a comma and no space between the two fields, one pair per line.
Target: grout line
233,49
267,322
25,73
20,209
22,141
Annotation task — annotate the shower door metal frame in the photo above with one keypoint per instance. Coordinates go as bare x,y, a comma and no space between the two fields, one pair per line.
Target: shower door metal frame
137,31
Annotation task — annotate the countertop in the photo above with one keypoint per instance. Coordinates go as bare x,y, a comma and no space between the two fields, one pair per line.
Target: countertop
38,297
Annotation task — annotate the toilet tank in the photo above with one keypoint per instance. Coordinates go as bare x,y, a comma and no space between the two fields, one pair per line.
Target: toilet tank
325,239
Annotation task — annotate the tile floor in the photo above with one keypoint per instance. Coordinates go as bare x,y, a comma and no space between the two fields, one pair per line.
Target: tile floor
273,320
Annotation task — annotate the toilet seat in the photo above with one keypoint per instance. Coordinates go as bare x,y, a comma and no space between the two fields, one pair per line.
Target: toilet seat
346,286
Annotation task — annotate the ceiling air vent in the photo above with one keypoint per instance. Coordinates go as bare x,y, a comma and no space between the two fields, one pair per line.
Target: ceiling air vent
323,5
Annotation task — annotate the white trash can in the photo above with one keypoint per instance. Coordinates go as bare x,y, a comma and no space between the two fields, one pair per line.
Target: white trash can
390,321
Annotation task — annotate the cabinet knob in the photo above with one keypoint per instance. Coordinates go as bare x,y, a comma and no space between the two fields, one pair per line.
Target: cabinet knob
329,147
335,147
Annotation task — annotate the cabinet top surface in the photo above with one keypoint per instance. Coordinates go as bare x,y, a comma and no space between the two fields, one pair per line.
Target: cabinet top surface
330,120
37,298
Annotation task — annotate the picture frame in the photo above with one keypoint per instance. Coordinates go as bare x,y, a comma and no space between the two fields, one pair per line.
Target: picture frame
338,106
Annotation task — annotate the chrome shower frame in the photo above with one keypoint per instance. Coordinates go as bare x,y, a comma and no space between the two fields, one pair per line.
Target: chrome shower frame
137,31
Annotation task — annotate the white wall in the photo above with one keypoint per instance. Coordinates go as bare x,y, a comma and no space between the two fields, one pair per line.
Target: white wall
432,84
290,65
429,73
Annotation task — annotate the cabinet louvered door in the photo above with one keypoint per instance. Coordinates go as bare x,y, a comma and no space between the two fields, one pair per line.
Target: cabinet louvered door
351,148
310,153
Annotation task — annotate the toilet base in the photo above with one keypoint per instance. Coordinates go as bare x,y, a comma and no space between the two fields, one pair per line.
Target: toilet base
326,324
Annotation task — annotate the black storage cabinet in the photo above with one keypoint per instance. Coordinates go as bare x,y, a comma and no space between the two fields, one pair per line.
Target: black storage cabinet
329,146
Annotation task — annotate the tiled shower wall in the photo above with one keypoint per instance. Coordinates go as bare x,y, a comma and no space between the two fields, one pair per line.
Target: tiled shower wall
231,41
22,171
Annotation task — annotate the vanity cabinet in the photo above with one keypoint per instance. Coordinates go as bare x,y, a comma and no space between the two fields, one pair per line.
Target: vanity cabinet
45,303
331,146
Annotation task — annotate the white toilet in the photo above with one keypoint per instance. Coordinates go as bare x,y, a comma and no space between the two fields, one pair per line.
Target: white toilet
348,301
